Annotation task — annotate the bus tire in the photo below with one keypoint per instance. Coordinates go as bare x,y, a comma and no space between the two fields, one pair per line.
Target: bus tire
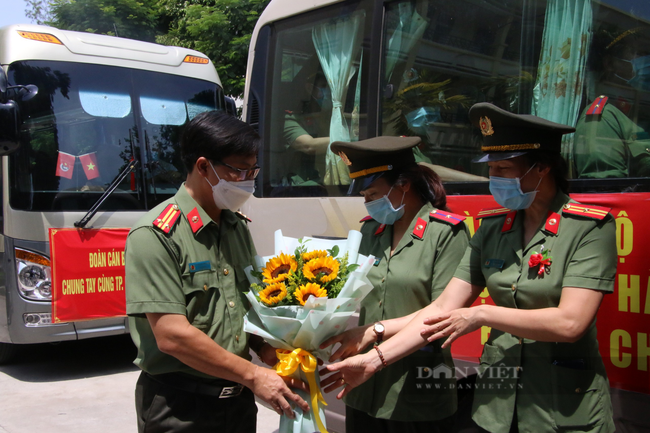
8,352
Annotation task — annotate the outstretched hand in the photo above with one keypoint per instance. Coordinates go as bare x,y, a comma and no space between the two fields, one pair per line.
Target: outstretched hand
452,325
353,341
274,389
349,373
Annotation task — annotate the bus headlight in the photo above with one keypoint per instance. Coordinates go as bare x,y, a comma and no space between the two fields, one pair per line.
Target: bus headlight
34,275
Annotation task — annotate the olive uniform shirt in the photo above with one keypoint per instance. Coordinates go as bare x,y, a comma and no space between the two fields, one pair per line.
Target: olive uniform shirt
196,269
552,386
609,144
409,280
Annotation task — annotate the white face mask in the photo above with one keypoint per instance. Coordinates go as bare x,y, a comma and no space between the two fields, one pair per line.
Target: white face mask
231,195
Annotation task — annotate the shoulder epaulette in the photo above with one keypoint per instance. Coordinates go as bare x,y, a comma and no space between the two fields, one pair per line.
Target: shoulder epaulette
243,217
449,217
494,211
597,106
365,218
590,211
167,218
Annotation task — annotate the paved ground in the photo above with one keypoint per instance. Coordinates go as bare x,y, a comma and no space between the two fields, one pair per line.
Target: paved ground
78,387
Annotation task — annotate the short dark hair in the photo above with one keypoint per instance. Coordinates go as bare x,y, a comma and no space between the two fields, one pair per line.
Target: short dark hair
557,163
424,181
216,135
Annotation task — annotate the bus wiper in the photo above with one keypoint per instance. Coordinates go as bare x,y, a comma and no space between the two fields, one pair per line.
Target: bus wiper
93,210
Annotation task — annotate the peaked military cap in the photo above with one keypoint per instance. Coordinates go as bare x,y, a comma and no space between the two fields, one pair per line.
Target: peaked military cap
507,135
369,159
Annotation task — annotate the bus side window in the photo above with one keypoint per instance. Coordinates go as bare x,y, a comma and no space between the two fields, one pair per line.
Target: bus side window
611,139
317,84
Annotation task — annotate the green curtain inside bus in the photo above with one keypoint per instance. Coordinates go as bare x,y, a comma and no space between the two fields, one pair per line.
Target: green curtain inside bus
560,76
408,33
338,46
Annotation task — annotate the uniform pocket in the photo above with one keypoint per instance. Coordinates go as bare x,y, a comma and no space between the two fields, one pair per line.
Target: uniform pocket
430,377
490,356
577,397
201,296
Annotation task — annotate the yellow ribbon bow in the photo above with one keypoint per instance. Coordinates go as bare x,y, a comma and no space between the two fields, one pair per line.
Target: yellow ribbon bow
288,364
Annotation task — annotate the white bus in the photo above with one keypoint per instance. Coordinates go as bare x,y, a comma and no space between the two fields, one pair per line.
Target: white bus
328,70
65,95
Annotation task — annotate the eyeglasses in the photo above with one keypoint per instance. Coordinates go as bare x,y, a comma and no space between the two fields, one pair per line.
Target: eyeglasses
247,174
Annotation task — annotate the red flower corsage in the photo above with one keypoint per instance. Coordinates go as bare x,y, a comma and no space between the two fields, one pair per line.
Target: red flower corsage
542,260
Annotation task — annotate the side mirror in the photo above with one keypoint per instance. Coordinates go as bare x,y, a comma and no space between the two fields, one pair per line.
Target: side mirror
3,84
231,108
22,93
10,114
9,132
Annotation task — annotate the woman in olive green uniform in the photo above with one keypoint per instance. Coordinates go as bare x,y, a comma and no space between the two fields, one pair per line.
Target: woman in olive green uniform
418,245
547,262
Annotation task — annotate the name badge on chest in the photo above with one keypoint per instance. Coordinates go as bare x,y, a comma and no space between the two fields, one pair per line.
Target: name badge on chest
494,263
200,266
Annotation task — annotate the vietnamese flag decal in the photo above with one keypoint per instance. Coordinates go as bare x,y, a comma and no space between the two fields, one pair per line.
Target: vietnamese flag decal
89,163
65,165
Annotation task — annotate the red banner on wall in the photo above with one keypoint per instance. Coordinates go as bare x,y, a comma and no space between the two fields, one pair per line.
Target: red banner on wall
87,273
624,317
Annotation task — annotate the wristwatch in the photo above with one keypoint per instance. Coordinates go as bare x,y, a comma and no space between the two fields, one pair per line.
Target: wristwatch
379,331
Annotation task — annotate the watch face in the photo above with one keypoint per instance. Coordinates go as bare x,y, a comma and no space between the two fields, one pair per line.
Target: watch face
379,328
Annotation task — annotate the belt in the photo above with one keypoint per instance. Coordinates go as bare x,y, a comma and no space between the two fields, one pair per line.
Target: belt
183,382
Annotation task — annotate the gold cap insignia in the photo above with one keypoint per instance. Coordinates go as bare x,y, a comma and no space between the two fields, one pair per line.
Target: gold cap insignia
486,126
345,158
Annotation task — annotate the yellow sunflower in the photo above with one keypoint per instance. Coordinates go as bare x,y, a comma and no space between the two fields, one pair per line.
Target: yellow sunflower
277,269
324,268
313,255
303,292
273,294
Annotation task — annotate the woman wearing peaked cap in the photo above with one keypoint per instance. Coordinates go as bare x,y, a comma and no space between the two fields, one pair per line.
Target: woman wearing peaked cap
547,262
418,245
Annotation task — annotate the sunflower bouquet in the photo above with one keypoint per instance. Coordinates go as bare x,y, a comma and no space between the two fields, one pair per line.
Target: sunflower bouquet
301,296
292,279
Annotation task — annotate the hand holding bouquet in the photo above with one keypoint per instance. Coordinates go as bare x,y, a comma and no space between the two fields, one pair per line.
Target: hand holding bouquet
300,297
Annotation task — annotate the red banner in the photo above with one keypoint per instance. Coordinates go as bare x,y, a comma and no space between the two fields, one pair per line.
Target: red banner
624,317
87,273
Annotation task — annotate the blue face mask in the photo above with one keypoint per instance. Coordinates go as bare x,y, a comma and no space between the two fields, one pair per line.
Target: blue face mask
382,210
325,96
507,192
641,70
419,120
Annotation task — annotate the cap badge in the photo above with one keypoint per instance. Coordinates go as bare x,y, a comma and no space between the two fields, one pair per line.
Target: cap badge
345,158
486,126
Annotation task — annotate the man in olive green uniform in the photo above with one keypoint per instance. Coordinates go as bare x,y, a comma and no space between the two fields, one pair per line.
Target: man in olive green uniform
185,280
608,144
408,275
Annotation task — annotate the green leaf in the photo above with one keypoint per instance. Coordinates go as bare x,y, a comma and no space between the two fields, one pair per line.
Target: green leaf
352,268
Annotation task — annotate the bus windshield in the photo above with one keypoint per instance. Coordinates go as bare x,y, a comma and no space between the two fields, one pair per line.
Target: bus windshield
88,122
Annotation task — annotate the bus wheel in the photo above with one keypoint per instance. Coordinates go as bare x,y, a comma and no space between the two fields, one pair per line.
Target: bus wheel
7,352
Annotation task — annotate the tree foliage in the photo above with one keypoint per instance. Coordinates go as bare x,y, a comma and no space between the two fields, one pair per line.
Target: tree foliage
221,29
38,11
135,19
